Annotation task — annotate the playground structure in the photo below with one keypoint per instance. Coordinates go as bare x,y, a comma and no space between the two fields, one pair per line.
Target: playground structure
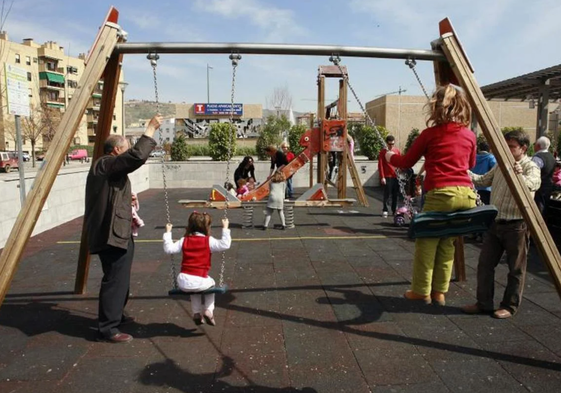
105,58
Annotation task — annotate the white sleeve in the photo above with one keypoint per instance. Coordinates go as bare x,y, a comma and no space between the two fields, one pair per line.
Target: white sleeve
222,244
169,246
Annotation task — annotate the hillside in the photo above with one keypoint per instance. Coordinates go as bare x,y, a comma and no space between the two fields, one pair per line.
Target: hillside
136,110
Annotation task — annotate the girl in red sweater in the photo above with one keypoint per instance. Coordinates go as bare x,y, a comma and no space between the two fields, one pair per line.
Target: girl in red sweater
196,247
449,148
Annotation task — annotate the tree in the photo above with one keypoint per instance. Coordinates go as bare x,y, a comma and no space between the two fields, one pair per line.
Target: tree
222,141
370,139
280,99
294,135
179,150
271,134
41,124
411,138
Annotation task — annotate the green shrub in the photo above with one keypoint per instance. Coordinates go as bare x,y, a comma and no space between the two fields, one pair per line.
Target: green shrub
370,139
294,135
198,150
179,149
411,138
246,151
222,141
271,134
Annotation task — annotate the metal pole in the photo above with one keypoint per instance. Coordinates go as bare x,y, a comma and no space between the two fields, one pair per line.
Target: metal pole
21,169
277,49
207,86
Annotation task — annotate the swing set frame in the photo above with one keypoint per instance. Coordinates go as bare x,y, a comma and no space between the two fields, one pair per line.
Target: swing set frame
451,65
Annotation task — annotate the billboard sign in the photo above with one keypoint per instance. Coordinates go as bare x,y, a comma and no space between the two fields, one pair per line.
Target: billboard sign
214,109
17,89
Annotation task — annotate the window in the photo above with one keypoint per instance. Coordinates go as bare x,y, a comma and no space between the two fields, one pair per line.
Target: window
114,116
27,60
29,76
35,60
30,92
114,128
18,60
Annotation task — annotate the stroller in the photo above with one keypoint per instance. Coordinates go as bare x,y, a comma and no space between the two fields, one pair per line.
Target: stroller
412,200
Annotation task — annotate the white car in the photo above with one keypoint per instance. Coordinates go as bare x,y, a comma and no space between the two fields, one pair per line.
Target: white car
157,153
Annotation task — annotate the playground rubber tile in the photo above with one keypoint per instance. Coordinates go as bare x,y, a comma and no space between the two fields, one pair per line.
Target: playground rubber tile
546,334
411,369
253,340
53,365
338,378
91,375
259,369
429,387
476,376
29,386
484,329
370,357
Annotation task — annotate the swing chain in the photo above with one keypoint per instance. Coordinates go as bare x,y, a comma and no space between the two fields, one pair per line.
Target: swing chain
412,63
235,58
335,59
153,57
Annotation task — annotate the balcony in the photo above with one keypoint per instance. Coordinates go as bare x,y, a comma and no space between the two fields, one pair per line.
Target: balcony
92,118
46,84
46,67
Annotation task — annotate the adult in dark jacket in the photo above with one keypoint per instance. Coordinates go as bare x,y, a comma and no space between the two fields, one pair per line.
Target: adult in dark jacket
278,159
245,170
108,218
546,162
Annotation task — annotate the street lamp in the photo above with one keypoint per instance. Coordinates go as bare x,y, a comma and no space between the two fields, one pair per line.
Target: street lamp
208,84
123,86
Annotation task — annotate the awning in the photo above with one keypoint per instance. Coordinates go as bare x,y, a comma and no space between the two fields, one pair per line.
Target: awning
52,77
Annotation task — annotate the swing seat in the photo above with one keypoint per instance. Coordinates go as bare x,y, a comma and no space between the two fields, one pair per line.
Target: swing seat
216,290
448,224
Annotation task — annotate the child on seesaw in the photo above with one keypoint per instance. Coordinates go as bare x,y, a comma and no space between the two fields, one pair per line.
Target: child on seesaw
197,246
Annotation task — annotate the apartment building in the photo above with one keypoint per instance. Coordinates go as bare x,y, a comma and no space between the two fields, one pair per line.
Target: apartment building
53,77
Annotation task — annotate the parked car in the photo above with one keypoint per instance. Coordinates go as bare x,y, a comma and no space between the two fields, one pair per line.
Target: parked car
157,153
79,154
26,156
8,161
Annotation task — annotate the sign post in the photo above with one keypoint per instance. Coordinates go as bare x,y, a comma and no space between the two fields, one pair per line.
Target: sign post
17,90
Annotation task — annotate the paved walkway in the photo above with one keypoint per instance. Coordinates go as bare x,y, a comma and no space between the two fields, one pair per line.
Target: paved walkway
315,309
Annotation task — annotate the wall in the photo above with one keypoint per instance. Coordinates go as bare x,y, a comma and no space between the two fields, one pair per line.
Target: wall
64,203
66,199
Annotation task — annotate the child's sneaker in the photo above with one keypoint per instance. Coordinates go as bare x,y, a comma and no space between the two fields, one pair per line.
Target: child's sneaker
209,318
385,214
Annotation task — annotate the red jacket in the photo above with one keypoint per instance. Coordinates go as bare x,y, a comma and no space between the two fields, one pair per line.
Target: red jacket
385,169
196,256
449,151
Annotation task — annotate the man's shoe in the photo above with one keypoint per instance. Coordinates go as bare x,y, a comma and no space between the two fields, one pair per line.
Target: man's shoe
415,296
438,298
264,228
475,309
385,214
502,313
126,320
117,338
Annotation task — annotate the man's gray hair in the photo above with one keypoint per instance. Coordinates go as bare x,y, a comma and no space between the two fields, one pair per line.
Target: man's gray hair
112,142
543,142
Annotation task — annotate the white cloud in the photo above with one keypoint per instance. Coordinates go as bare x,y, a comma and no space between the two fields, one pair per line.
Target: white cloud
279,23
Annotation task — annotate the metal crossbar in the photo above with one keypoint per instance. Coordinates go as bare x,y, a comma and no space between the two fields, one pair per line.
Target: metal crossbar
277,49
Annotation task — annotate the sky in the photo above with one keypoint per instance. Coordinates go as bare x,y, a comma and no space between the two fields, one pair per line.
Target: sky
502,38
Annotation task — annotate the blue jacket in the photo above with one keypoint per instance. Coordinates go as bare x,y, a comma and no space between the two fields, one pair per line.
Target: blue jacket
484,161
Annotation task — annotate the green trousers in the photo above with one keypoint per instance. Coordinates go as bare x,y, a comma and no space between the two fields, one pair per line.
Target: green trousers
434,257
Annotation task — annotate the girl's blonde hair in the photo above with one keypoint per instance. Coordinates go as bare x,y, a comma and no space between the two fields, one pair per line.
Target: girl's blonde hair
198,222
448,104
278,177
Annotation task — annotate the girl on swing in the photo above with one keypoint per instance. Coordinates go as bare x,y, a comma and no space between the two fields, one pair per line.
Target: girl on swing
196,247
449,148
